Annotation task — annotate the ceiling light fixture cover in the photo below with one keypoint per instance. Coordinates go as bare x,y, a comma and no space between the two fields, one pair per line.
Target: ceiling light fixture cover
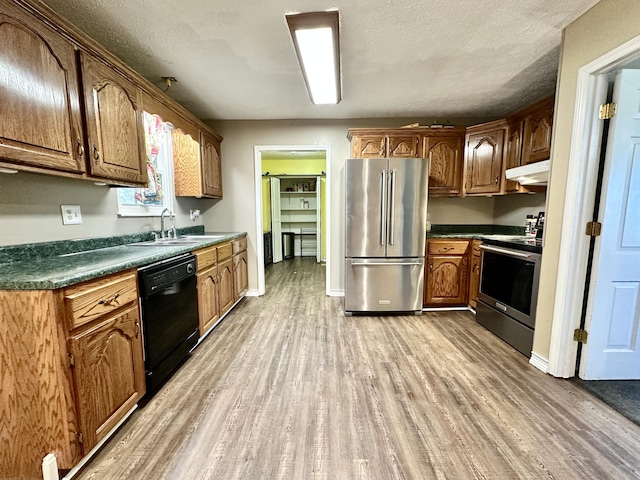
316,39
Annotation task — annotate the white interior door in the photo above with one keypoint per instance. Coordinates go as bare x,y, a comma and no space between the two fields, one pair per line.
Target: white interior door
612,350
276,221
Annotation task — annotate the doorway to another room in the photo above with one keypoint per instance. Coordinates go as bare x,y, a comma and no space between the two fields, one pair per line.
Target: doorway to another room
292,192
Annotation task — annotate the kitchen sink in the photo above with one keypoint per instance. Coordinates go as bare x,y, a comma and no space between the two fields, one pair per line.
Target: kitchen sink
182,240
203,237
168,242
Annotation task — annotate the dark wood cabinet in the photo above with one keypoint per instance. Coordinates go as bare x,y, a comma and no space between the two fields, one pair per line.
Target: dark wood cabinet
474,273
514,153
538,125
114,126
445,156
211,166
446,272
385,144
484,169
41,125
108,373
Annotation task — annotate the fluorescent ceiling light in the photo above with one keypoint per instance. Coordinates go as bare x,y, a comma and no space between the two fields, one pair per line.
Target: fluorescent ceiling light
316,39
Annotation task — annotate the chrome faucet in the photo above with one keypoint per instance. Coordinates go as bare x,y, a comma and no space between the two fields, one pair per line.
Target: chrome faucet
171,215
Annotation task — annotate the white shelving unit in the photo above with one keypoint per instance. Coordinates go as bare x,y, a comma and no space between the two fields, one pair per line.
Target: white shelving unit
300,213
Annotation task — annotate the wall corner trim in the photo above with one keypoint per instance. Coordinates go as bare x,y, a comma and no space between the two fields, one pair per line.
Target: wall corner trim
539,362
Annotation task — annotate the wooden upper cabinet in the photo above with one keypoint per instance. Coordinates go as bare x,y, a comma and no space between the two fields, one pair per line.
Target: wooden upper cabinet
483,158
40,116
445,164
405,146
114,125
514,153
386,145
211,166
368,146
538,126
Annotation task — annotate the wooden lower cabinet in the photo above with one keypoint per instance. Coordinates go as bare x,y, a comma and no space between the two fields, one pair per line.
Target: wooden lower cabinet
446,272
240,275
208,311
474,273
225,274
64,386
108,373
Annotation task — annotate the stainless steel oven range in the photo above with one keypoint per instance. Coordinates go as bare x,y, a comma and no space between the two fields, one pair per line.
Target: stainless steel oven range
508,294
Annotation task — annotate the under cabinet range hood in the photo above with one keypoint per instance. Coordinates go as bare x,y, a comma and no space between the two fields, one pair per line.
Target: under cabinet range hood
533,174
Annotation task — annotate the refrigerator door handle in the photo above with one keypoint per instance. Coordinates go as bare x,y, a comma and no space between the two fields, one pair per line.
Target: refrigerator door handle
383,206
392,207
357,263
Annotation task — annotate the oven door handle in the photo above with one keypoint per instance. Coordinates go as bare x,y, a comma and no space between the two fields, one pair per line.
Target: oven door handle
504,251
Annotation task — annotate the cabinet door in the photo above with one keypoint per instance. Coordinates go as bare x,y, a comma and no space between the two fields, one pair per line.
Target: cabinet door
483,162
208,305
514,153
537,135
474,274
40,122
225,276
240,275
108,373
445,164
114,125
446,280
211,166
368,146
404,146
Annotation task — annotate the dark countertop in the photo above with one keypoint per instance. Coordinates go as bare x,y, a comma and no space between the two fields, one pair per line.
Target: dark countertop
503,236
55,270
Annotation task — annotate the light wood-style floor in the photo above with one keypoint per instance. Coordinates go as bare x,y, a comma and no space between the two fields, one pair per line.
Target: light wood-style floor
287,387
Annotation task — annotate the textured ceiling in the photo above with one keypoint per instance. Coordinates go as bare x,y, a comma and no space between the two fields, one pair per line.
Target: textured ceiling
400,58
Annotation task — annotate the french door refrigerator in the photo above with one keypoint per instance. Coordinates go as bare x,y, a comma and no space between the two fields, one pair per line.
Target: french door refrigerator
386,215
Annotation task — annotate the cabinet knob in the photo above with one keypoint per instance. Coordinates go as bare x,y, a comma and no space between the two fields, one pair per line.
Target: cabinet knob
137,329
80,149
96,153
496,180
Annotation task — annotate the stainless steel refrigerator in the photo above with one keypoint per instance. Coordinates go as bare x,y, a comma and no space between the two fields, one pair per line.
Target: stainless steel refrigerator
386,214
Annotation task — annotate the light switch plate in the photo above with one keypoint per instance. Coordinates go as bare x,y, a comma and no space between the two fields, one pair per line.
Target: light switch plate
71,214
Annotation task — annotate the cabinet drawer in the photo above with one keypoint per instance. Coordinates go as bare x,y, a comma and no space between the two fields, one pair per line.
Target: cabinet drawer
239,245
205,257
447,247
90,300
225,250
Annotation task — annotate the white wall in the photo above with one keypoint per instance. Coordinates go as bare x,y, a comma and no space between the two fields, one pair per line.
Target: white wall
30,210
458,210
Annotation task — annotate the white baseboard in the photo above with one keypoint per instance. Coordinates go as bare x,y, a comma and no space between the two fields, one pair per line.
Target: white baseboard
336,293
539,362
252,293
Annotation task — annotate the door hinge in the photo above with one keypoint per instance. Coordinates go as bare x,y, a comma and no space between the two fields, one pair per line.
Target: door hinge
594,229
72,360
580,335
607,110
80,437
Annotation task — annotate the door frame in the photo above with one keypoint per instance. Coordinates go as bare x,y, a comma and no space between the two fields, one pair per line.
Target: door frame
258,149
580,192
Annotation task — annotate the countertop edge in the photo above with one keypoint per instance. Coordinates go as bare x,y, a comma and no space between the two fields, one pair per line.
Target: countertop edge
63,279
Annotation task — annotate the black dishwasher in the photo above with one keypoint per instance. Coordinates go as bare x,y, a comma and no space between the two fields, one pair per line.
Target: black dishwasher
169,316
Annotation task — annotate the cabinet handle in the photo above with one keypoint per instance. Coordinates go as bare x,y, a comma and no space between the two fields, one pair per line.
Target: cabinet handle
109,300
496,180
96,153
80,149
137,329
431,266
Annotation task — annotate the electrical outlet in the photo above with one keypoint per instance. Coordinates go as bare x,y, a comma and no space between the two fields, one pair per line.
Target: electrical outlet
193,214
71,214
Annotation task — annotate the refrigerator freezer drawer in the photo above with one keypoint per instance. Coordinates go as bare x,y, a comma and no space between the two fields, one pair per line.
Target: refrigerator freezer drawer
383,285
